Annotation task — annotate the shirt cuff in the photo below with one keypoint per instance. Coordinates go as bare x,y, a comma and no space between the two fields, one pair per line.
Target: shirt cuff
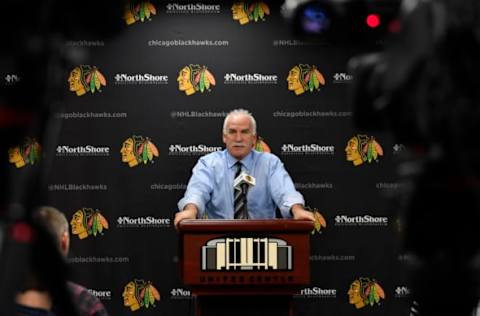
288,203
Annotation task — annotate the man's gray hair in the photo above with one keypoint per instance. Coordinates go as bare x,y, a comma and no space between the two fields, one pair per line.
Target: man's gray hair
238,112
52,220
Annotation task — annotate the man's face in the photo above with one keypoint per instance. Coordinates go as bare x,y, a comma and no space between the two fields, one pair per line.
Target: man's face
238,136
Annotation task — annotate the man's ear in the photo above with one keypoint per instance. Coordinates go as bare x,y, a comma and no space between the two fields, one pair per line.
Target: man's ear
64,243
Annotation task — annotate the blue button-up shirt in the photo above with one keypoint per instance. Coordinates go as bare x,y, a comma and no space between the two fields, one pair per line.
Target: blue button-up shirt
211,186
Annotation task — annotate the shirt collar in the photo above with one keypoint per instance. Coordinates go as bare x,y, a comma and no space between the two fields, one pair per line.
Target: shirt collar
247,161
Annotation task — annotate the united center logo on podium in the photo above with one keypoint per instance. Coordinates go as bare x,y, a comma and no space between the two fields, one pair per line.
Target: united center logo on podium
246,254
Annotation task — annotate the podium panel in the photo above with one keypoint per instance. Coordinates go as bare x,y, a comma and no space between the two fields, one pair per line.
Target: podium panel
245,258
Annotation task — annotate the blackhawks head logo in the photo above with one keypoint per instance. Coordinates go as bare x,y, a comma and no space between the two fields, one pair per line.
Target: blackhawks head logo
138,11
365,291
245,12
139,293
193,78
319,220
138,149
303,78
262,146
85,78
362,148
87,222
27,153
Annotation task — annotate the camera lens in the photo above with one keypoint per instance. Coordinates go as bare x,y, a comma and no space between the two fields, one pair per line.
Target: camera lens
315,19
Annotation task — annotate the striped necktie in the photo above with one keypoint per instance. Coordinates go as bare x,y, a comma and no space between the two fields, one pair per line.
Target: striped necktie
239,198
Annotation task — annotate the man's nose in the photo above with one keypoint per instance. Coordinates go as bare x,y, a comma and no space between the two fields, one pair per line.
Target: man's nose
238,136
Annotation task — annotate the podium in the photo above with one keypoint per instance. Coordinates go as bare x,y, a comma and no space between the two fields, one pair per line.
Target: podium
244,267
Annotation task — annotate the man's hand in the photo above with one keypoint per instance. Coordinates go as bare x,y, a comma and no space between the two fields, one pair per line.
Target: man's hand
299,212
190,211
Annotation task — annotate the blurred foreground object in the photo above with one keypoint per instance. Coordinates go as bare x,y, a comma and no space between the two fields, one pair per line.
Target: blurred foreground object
424,89
342,21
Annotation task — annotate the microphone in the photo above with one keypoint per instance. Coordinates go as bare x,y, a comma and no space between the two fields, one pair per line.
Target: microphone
243,182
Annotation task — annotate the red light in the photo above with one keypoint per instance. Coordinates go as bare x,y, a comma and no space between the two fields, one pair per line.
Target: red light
22,232
373,20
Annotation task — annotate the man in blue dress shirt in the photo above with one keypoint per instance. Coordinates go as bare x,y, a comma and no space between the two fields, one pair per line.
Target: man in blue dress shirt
210,189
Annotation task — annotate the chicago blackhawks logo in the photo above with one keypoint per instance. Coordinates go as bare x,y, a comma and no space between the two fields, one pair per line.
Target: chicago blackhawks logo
138,149
26,154
138,293
363,148
194,78
365,291
85,78
303,78
319,222
261,145
245,12
140,11
87,222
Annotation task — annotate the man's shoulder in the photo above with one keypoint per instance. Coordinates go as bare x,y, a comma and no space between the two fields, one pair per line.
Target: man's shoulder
212,158
267,157
76,288
23,310
86,302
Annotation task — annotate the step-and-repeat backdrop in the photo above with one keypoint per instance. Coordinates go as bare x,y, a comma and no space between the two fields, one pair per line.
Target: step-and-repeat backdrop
142,107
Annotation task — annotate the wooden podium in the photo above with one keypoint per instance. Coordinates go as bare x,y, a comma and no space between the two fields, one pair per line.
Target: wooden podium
244,267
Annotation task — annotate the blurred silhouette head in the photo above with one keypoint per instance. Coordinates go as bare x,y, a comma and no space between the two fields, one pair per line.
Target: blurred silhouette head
56,224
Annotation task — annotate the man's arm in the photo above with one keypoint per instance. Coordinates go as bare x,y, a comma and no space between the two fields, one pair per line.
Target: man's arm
190,211
288,199
299,212
197,194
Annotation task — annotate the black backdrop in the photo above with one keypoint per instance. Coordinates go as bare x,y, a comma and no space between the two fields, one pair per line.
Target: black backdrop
139,203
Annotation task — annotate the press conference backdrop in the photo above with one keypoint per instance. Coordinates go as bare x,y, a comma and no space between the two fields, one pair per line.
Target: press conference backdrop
131,98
